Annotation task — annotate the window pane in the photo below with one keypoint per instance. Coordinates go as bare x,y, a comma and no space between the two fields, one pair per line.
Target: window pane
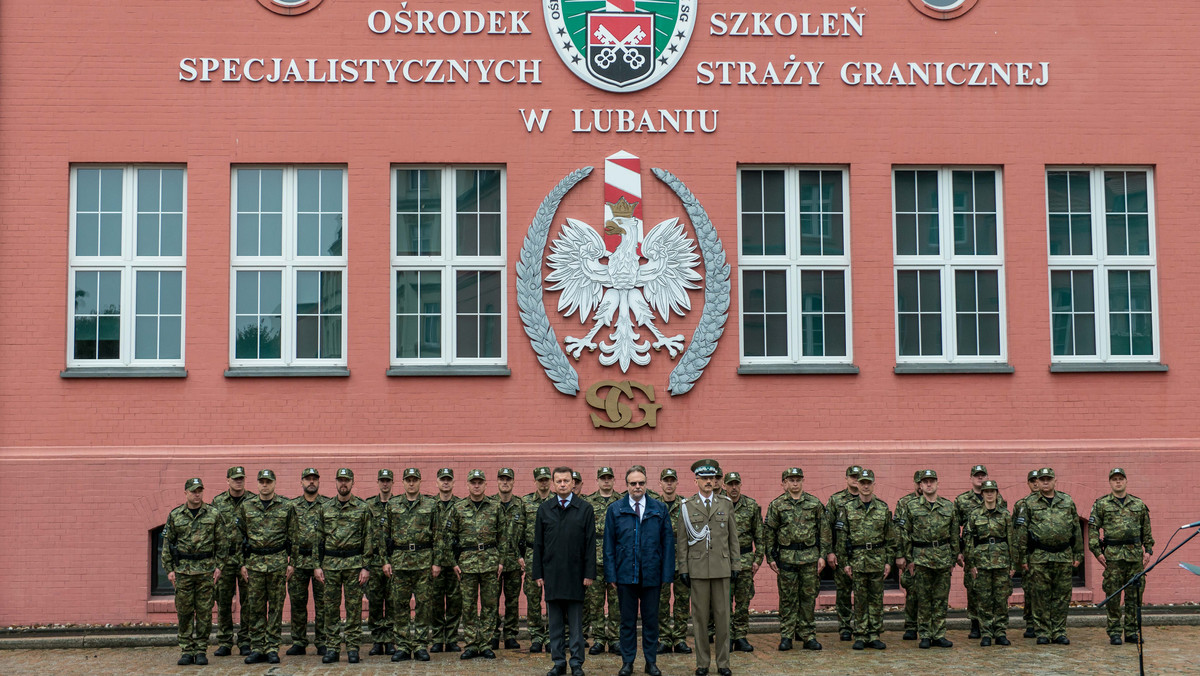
468,234
928,243
906,234
1118,291
418,314
468,336
1085,334
170,295
906,291
931,334
754,335
308,190
752,235
906,191
87,235
1081,235
812,297
170,337
964,291
835,335
774,235
171,237
148,189
87,190
989,334
751,191
931,291
968,336
910,334
1060,291
110,234
172,190
1142,330
145,338
308,234
111,190
988,285
776,333
1062,339
418,212
147,293
1139,290
1084,291
1060,234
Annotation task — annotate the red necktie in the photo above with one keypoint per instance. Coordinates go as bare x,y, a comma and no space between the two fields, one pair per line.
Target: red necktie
563,503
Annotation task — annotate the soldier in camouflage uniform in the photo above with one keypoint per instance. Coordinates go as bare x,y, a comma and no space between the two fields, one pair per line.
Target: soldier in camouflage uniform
378,624
308,507
1049,536
929,540
842,597
749,519
1120,539
604,629
965,503
796,538
990,560
195,551
447,599
348,540
576,477
473,543
673,625
513,511
865,545
227,503
907,578
266,524
408,541
538,633
1027,605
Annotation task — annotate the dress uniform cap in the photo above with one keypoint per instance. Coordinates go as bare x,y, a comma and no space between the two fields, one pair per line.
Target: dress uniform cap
541,473
237,472
476,474
853,470
445,472
866,475
345,473
385,474
926,474
506,473
1046,472
1116,470
990,485
793,471
706,467
192,484
604,471
668,472
266,474
413,472
310,471
731,477
977,469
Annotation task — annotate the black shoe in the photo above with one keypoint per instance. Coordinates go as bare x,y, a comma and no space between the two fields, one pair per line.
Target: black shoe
975,629
1131,638
1042,640
535,647
943,643
321,649
785,644
725,672
811,644
1002,640
701,671
626,669
255,658
556,671
743,645
273,658
596,648
185,660
244,649
614,648
495,644
435,648
295,650
1114,640
845,636
389,648
451,647
330,657
576,671
469,654
376,649
1062,640
664,648
352,656
200,659
401,656
223,651
422,655
653,669
712,637
880,645
985,641
487,654
1029,633
683,648
925,644
511,644
910,635
858,645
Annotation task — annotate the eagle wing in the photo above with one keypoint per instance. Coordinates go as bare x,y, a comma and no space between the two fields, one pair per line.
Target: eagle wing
669,270
577,271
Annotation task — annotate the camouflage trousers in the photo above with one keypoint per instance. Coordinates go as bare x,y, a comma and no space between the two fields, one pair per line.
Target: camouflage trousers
910,600
673,624
933,597
972,597
446,608
798,588
226,586
377,614
1050,586
510,588
193,607
739,599
264,609
596,624
842,599
298,587
992,587
867,588
1116,574
480,607
337,582
410,633
1027,606
533,607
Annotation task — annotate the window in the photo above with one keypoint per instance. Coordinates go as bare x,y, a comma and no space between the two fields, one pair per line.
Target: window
159,584
949,266
127,260
794,264
1103,287
448,266
289,267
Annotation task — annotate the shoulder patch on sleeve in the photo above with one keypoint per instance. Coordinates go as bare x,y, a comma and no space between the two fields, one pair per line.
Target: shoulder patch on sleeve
1020,521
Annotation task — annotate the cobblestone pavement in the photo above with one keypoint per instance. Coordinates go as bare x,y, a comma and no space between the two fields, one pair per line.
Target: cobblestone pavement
1168,650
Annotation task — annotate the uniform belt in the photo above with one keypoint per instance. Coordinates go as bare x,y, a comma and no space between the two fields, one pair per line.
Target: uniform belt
797,547
1109,542
793,567
1051,548
746,549
932,543
477,547
393,546
306,551
343,553
198,556
868,547
990,540
266,551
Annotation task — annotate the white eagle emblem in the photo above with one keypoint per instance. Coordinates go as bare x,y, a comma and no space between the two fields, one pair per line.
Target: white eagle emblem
624,292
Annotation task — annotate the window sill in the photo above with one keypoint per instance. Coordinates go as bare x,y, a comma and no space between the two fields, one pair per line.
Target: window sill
797,369
916,369
287,372
443,370
1108,367
124,372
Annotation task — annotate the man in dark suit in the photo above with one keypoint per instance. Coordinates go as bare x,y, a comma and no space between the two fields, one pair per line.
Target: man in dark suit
564,563
639,555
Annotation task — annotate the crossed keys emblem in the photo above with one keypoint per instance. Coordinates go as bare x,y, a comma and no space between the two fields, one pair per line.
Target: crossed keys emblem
607,56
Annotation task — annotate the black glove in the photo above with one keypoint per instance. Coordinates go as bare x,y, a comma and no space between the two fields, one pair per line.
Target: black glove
733,576
686,580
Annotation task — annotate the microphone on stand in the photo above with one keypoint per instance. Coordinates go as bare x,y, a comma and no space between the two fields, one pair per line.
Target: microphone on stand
1190,525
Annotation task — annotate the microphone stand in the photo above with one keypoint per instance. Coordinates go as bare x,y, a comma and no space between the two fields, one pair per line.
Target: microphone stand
1136,579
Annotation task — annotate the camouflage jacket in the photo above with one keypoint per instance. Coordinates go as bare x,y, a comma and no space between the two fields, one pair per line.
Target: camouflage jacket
1022,556
348,535
513,513
836,501
928,532
1126,526
265,528
306,546
969,501
749,518
409,535
600,504
866,540
989,540
472,536
532,502
1048,529
796,531
228,505
673,511
194,545
378,510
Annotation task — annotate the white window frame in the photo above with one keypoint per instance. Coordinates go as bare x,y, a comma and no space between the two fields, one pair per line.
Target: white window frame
793,264
128,263
1100,263
448,264
289,263
948,263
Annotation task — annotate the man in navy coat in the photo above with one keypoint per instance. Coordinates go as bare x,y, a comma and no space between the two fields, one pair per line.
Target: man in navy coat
639,555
